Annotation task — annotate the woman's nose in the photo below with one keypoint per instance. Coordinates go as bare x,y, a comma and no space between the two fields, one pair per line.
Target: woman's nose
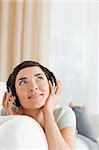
33,87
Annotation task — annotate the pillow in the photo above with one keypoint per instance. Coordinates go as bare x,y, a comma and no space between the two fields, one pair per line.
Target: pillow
2,90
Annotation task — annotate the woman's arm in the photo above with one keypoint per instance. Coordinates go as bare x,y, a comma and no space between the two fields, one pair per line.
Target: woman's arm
63,139
69,136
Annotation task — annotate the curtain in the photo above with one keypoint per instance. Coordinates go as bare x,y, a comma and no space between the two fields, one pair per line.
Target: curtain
24,33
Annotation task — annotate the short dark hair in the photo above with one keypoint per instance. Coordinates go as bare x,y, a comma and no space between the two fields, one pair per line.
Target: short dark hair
12,78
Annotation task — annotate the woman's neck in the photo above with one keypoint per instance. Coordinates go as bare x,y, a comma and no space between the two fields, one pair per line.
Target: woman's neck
36,114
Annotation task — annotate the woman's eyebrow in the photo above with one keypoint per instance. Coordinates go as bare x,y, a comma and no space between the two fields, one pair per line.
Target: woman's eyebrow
23,78
38,74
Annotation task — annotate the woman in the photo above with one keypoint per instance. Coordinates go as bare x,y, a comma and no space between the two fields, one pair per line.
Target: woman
34,91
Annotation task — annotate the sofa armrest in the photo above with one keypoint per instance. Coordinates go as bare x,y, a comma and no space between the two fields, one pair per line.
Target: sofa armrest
24,133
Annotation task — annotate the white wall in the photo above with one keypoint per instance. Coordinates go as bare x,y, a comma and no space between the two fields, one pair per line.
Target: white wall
73,50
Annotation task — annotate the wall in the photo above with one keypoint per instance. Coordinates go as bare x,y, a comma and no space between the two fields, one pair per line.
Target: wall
73,51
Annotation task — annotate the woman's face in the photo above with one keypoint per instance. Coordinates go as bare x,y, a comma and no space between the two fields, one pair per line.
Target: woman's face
32,87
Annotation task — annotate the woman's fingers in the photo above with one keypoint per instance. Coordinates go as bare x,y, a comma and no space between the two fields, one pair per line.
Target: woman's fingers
58,88
55,90
8,102
51,88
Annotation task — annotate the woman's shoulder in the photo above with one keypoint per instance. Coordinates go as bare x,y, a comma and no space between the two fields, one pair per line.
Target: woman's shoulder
64,117
61,110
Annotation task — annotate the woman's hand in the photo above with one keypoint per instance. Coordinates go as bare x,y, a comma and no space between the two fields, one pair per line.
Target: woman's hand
8,102
53,98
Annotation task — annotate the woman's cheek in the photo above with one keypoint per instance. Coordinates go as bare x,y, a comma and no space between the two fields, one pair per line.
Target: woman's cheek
20,94
45,88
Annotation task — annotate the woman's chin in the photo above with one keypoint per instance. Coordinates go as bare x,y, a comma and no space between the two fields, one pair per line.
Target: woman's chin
40,105
36,105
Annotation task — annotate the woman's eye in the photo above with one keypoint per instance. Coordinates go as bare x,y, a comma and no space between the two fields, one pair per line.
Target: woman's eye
22,82
40,78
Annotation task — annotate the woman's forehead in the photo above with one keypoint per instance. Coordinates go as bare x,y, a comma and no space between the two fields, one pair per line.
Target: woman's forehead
30,71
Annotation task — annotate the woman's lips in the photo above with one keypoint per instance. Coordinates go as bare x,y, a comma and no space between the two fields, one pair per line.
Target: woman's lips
34,96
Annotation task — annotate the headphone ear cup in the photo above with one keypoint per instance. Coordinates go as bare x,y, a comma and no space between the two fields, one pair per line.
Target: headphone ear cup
10,88
17,101
53,83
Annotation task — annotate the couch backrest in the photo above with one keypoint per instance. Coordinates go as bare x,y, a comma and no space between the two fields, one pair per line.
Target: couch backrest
2,89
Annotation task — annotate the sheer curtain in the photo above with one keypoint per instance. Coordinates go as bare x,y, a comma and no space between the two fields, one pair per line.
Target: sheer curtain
24,25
